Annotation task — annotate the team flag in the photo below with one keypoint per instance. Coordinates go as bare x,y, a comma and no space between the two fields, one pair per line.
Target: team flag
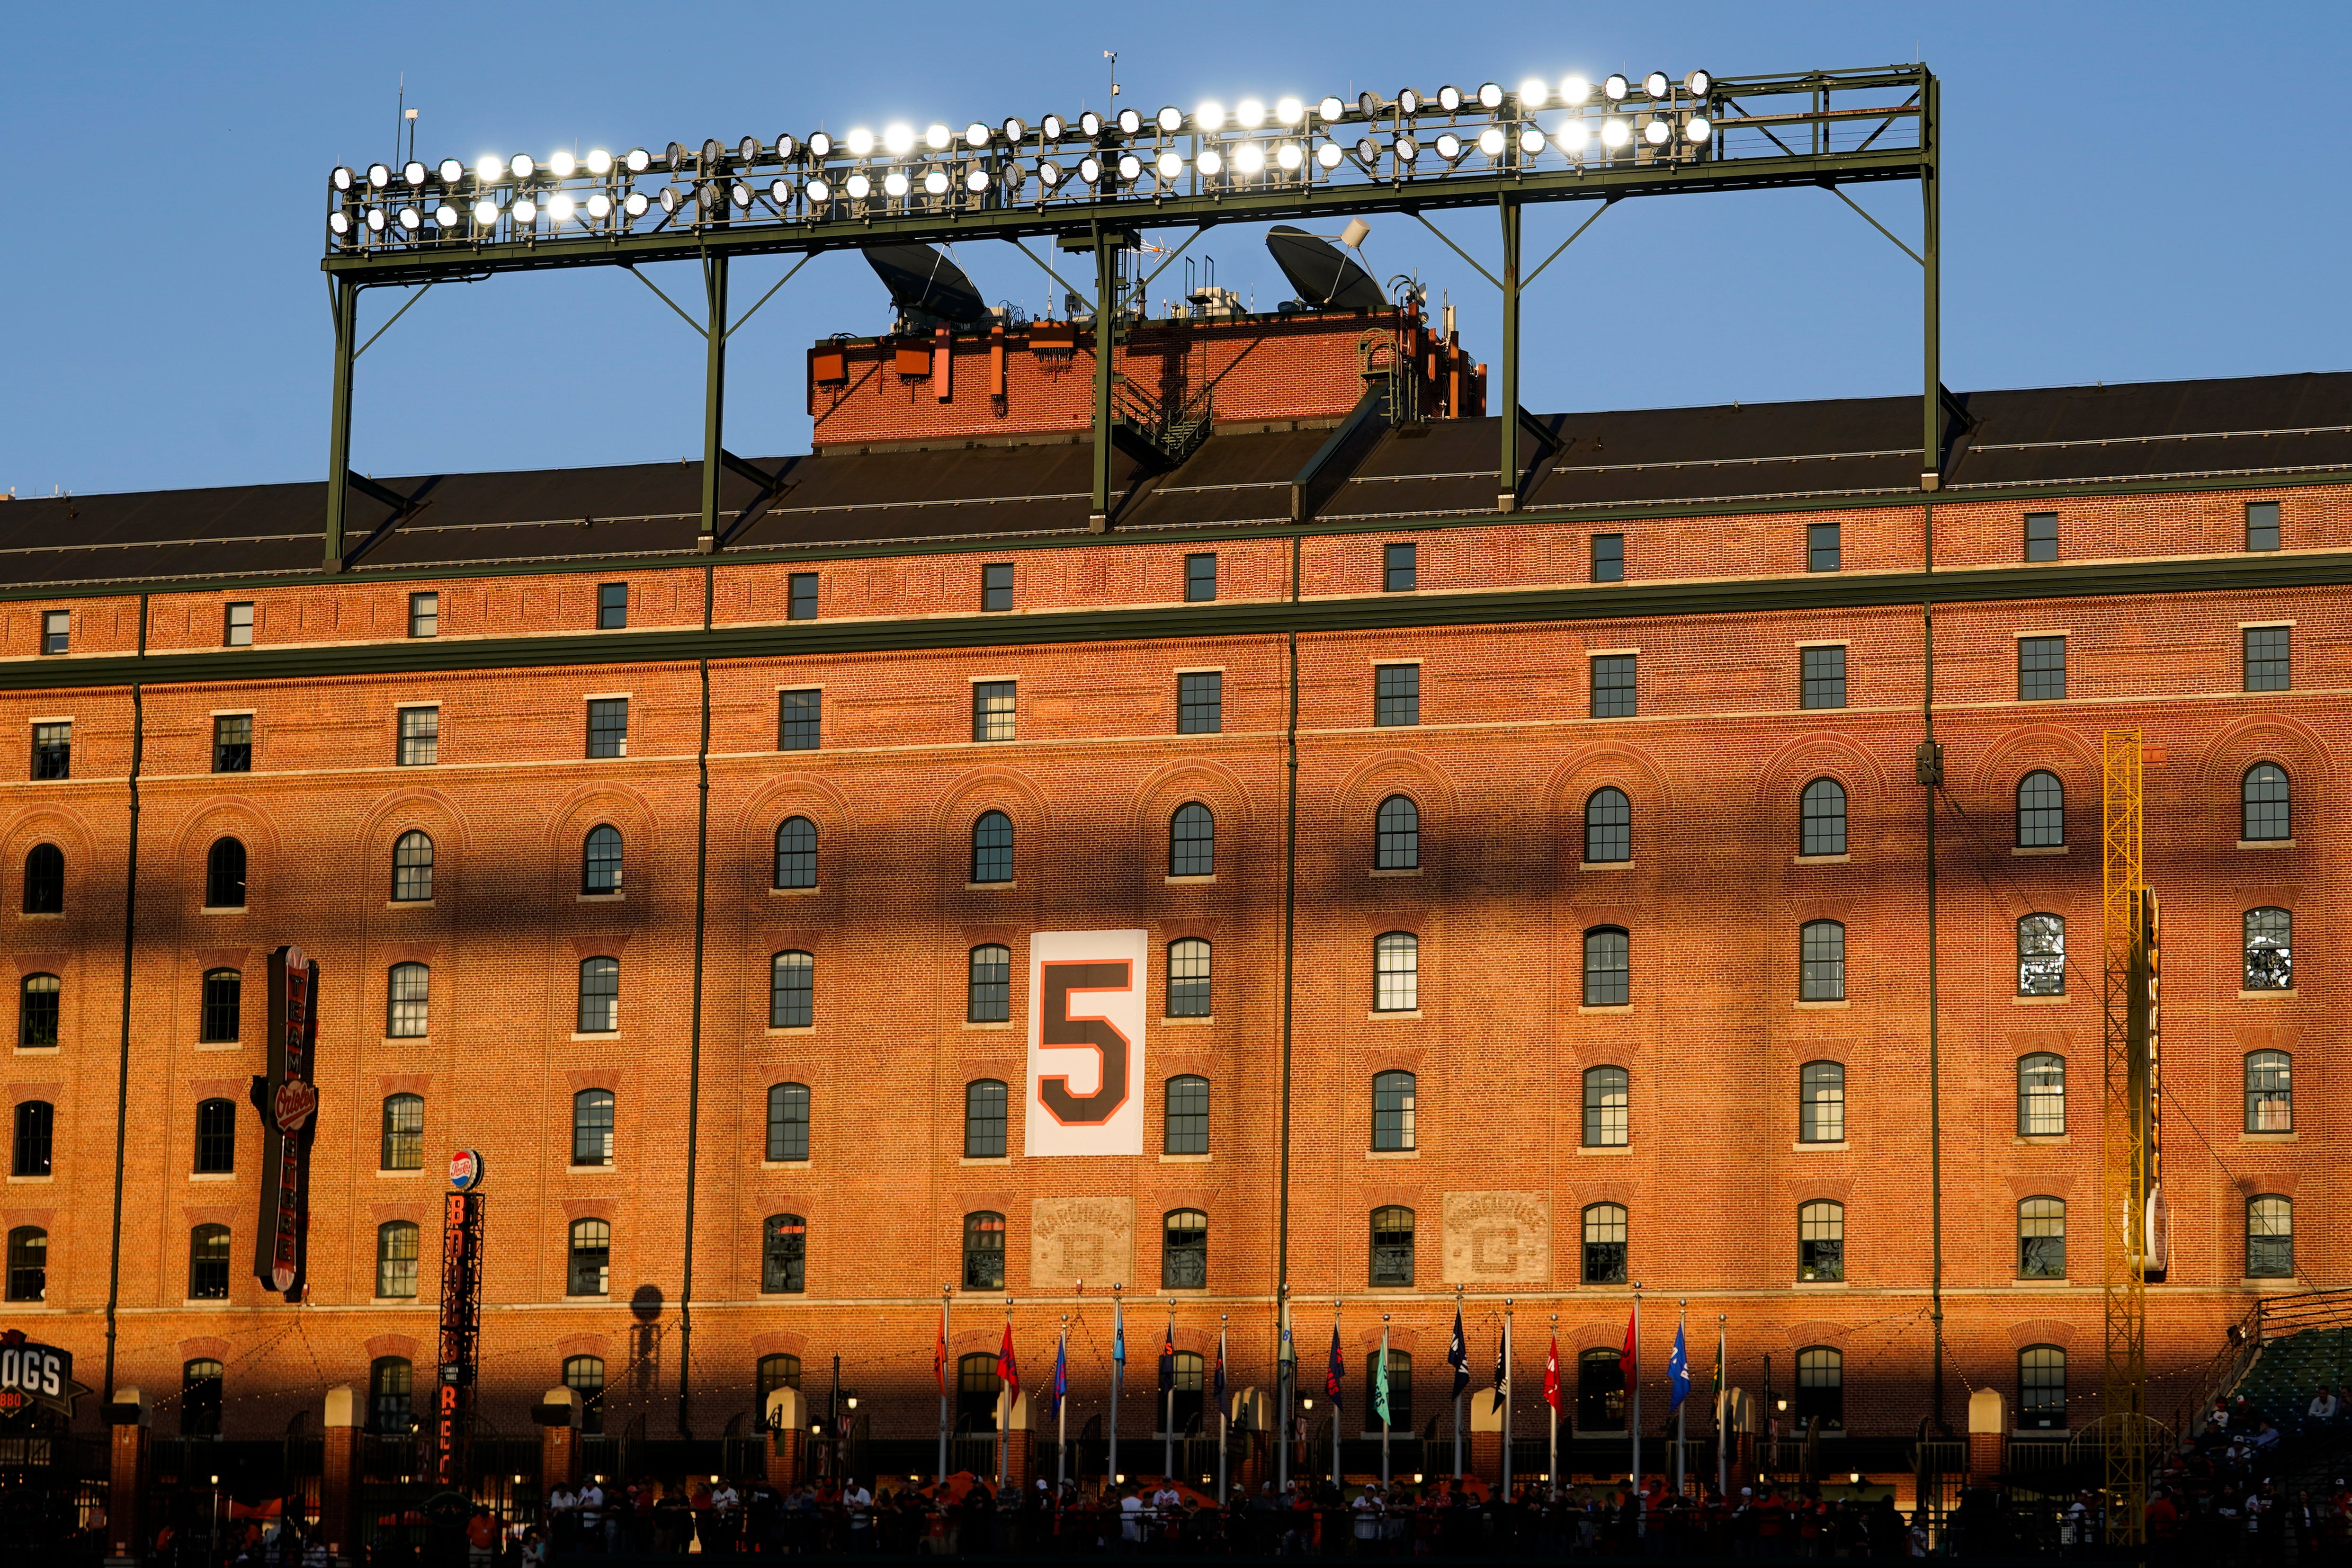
1061,1374
1008,1367
1551,1378
1502,1373
1168,1356
1629,1360
1457,1354
1118,1344
1678,1369
1219,1390
1338,1371
1380,1382
940,1355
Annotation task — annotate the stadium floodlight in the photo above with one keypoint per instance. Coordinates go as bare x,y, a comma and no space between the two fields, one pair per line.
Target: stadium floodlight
670,201
560,208
1288,157
446,216
1090,125
1657,133
899,140
1330,155
1449,99
1697,84
635,203
1574,137
1698,128
524,211
1169,165
1049,174
739,193
1288,111
1249,160
935,183
639,161
1015,129
522,166
1171,119
1657,85
975,181
412,173
938,137
894,183
1449,146
1249,114
1331,111
1408,101
1090,169
1210,118
450,171
975,135
785,148
820,145
1490,95
1053,126
486,212
375,220
1130,167
1130,121
561,164
338,223
379,176
1531,139
1210,163
599,162
1491,141
819,191
1534,93
1615,89
1575,92
600,204
1615,132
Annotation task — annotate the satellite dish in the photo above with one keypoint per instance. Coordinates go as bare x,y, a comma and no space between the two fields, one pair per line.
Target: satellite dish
922,280
1323,273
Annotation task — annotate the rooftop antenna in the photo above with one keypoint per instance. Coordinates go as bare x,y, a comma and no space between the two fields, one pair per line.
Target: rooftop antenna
1112,56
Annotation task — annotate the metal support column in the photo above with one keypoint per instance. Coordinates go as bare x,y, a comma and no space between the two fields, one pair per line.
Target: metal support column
339,418
1506,481
1106,338
1931,456
714,398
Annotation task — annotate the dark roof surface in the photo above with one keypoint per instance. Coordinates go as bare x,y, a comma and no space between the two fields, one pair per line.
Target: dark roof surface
1856,446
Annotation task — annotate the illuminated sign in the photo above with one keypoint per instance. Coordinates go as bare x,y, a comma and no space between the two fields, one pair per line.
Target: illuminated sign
36,1377
288,1099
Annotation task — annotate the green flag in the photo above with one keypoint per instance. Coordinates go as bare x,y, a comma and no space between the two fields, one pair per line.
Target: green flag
1381,1384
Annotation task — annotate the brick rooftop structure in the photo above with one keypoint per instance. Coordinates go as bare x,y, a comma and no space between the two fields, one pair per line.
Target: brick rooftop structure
1763,548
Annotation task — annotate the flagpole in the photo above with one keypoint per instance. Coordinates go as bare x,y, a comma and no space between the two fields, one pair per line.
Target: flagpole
1118,1376
1285,1374
1224,1409
1507,1380
1722,1409
1168,1414
1461,1374
1636,1421
947,1294
1339,1480
1383,1382
1681,1419
1062,1409
1005,1404
1551,1426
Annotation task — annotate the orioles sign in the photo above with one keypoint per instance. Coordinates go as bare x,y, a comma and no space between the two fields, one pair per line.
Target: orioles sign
1085,1086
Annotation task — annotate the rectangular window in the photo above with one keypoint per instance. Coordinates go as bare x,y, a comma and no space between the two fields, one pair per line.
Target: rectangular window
1201,703
612,606
1612,686
420,736
53,750
1823,676
1396,693
2266,658
1200,579
1188,1115
1609,557
2041,536
996,586
1822,546
233,743
992,709
2261,525
608,727
799,717
2040,669
425,615
237,625
1399,569
801,604
57,627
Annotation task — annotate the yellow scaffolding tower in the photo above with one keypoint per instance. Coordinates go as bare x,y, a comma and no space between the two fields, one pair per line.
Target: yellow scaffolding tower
2129,912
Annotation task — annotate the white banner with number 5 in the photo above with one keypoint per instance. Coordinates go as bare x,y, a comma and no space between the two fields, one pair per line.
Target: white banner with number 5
1086,1042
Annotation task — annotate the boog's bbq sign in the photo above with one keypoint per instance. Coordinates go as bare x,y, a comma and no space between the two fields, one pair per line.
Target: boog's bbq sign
288,1099
36,1377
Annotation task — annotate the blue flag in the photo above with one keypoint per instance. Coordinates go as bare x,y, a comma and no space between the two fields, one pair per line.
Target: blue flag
1061,1375
1457,1354
1337,1373
1678,1370
1118,1344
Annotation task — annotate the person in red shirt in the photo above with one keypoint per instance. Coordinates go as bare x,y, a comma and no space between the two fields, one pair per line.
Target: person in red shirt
2163,1519
481,1537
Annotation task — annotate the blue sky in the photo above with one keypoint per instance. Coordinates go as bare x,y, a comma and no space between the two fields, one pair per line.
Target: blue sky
2133,192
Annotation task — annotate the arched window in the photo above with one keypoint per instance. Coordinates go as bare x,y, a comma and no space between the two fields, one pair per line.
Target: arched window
223,1006
2040,1096
1820,1103
412,868
591,1127
2041,811
772,1372
1396,834
991,848
1392,1110
796,853
600,860
33,1148
216,1136
39,1005
1821,958
978,1388
2270,1092
390,1385
1822,819
2041,1239
1185,1251
1396,972
1193,841
1189,979
788,1122
2040,1387
783,1255
208,1263
1607,979
2270,950
1820,1389
1600,1391
408,1001
1185,1403
600,996
1820,1242
1399,1412
1605,1100
404,1133
584,1376
983,1251
28,1264
200,1398
45,880
1604,1244
589,1270
983,1120
1391,1253
2266,803
2270,1237
225,874
1187,1115
1608,825
791,991
395,1258
988,990
2041,955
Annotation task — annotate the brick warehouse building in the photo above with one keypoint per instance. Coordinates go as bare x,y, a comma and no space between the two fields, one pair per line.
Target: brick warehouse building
1605,833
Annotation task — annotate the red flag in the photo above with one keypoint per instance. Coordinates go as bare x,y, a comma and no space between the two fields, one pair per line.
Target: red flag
1630,1363
939,1357
1551,1378
1007,1367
